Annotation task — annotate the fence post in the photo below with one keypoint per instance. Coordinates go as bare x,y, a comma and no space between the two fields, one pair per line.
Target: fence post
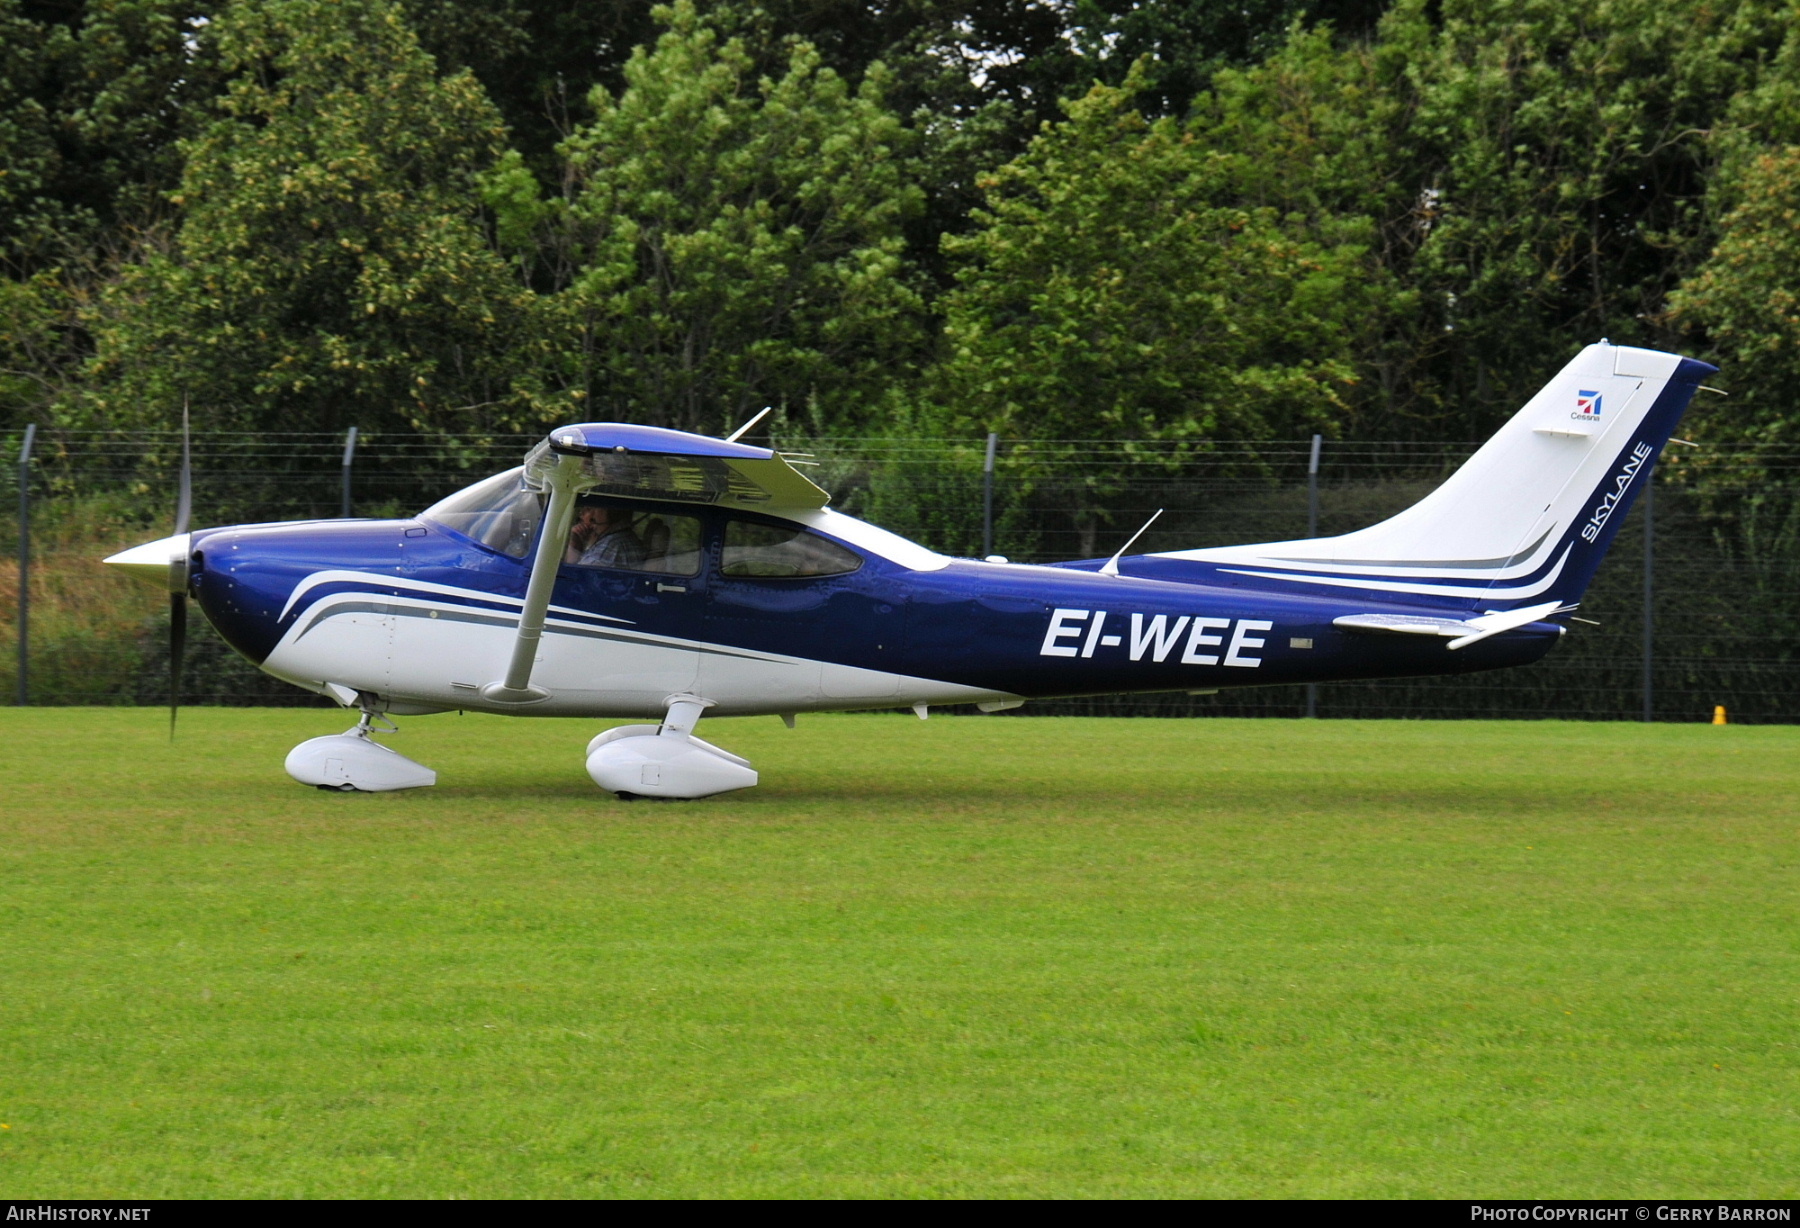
1649,594
1312,530
349,459
987,497
24,696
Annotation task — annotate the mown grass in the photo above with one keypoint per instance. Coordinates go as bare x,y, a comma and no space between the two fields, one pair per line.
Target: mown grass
981,957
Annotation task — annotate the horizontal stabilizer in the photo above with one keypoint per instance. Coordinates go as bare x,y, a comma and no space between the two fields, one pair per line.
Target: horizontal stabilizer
1401,624
1461,632
1507,620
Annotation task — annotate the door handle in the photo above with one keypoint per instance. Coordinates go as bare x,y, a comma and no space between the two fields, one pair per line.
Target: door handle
671,588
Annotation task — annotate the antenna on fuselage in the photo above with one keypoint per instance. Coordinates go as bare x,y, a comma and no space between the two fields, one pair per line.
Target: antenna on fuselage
1111,566
745,429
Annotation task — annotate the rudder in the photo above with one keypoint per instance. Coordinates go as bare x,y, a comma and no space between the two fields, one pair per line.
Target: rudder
1525,520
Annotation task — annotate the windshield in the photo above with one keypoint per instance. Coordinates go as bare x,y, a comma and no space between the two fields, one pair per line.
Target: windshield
499,513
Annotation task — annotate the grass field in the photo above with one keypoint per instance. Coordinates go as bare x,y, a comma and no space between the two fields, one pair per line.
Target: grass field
975,956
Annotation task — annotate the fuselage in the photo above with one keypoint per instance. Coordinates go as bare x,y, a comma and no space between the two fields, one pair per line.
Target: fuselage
424,616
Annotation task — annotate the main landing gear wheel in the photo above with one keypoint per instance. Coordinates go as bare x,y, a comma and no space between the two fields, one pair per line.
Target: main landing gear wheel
354,762
665,762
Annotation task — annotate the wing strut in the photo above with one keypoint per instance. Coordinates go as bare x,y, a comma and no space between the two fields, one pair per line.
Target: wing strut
516,687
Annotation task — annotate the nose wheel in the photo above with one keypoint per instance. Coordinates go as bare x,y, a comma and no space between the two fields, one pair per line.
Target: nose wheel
666,760
354,762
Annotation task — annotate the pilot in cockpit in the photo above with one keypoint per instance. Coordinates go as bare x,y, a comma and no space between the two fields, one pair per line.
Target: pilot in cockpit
602,537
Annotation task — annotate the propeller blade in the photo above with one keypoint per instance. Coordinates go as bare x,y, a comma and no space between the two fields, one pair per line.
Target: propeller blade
184,506
177,651
178,571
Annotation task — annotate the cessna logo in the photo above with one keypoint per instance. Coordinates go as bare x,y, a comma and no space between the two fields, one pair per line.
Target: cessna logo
1079,633
1604,509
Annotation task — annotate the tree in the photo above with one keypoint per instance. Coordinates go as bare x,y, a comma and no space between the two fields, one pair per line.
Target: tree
1316,133
537,59
1741,306
1185,44
1121,287
330,265
725,242
1557,159
94,99
1745,301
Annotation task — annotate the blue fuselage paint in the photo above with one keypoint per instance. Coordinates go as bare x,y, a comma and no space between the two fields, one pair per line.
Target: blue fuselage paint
1022,630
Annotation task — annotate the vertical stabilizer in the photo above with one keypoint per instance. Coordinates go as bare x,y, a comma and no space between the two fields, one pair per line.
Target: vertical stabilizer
1526,519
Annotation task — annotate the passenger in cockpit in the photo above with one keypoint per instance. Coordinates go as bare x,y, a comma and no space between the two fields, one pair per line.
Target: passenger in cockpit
602,537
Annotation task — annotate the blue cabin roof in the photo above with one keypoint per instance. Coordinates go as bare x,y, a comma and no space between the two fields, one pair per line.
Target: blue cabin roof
615,436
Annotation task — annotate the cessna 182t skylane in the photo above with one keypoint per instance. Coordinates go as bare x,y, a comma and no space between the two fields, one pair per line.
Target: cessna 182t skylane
630,571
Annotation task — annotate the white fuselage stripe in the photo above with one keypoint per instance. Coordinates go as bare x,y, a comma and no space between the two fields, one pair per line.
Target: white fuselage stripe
1389,586
318,578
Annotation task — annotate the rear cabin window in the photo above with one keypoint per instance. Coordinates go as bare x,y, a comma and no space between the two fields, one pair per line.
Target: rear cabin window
779,552
629,539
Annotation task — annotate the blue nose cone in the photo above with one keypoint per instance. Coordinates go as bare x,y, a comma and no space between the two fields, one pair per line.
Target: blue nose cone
245,577
256,583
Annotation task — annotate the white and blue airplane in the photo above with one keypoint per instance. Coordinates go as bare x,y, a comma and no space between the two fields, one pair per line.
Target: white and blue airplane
634,572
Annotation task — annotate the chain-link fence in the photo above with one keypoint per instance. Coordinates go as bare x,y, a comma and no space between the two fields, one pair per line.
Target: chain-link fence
1706,613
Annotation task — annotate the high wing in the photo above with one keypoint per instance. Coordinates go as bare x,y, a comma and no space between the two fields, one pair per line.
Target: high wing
647,462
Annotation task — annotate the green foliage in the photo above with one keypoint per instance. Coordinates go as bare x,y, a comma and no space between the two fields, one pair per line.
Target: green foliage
94,99
1558,157
725,242
330,266
1125,285
28,155
1314,133
1746,298
1742,304
537,59
1345,215
33,348
1185,44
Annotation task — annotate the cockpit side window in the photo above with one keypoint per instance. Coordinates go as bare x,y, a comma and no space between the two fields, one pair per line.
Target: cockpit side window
632,539
782,552
498,512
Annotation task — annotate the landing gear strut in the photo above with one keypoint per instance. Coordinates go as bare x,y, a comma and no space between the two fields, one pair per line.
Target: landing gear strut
666,760
354,762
